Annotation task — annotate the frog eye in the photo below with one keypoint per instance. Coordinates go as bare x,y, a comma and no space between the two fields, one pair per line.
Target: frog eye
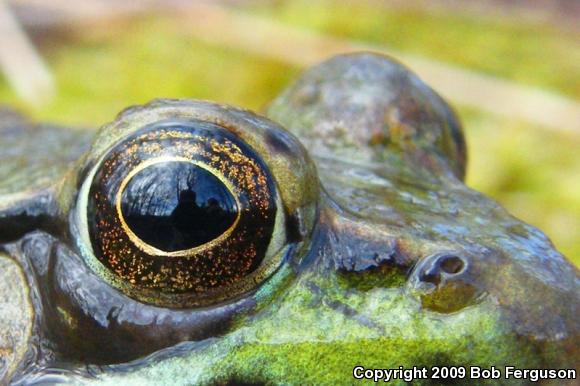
182,213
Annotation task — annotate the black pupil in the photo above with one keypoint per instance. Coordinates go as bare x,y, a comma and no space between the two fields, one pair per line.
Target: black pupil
177,205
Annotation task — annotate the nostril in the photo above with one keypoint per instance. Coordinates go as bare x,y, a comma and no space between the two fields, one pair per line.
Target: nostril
430,278
444,282
452,264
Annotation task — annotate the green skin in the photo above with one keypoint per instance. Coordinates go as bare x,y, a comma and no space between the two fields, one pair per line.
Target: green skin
400,263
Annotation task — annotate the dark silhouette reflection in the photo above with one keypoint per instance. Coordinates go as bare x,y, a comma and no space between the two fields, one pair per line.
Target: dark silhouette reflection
177,205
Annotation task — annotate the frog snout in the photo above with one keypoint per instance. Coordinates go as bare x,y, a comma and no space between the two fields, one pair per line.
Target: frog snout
443,282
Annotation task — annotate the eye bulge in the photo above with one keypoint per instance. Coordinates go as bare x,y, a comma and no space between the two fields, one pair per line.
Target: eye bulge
188,203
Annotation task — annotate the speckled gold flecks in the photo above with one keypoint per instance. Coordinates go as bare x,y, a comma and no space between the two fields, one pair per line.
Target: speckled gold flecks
221,262
287,167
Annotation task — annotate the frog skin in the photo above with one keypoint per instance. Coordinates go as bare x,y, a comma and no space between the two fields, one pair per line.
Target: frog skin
391,261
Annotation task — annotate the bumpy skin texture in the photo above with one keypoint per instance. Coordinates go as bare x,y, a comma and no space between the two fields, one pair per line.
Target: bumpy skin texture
404,264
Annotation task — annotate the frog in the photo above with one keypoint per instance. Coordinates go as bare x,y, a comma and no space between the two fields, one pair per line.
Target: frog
190,242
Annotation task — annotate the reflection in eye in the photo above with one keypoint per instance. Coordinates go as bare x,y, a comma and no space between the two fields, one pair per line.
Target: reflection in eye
183,213
175,205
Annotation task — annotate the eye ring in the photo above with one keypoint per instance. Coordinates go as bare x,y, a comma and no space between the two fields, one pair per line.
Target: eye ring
147,248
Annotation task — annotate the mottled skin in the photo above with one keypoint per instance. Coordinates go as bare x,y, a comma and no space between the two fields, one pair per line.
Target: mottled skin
399,264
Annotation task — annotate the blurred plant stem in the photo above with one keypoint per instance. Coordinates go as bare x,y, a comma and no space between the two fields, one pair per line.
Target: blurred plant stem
21,64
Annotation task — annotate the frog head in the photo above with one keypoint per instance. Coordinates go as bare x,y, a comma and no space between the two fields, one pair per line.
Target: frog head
197,243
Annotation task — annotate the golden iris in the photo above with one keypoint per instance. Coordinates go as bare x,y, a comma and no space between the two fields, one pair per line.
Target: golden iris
182,207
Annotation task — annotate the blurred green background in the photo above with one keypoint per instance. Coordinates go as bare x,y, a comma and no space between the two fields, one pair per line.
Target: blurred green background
107,65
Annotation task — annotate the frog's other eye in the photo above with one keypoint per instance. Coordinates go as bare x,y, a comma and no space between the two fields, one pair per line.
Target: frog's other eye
184,212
